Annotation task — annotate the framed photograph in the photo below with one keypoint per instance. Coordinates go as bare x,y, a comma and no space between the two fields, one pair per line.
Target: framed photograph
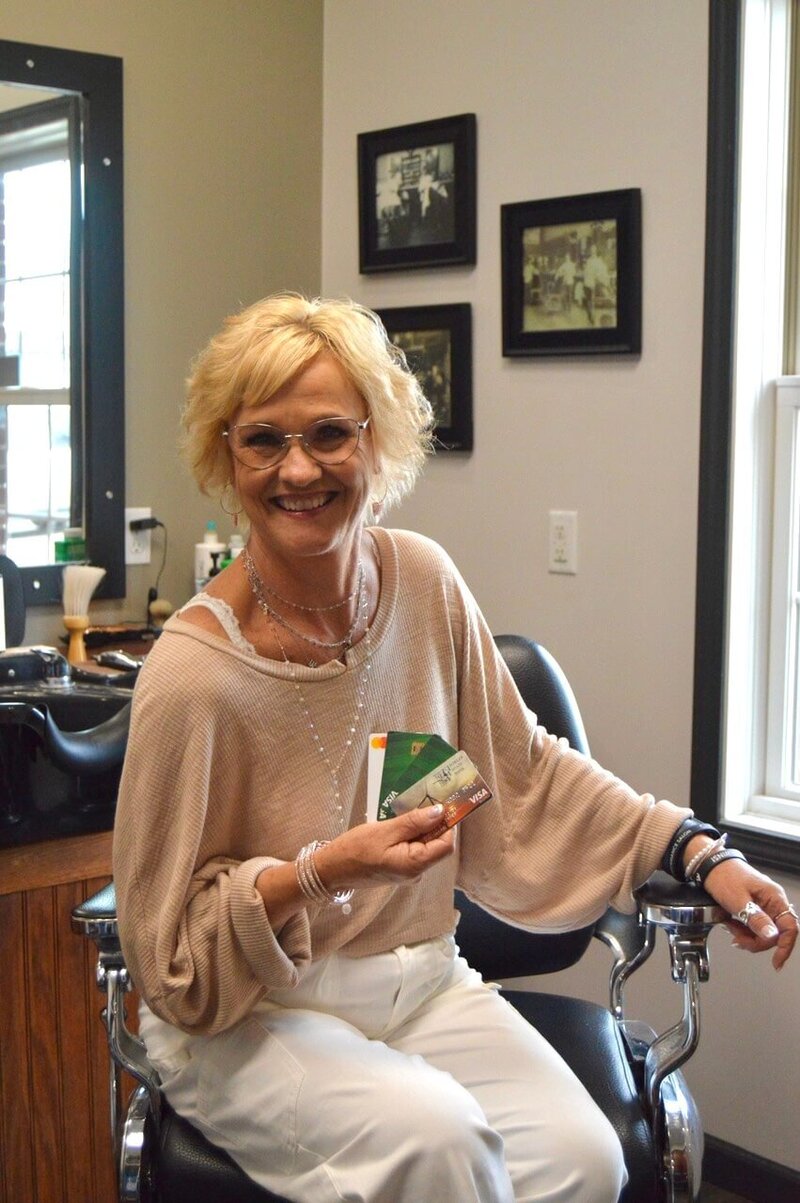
572,275
416,195
437,341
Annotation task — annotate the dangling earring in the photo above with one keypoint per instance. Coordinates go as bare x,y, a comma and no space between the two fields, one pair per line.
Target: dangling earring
231,513
377,502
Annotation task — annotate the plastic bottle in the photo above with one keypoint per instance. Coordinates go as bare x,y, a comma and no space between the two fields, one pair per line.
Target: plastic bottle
71,549
234,549
202,555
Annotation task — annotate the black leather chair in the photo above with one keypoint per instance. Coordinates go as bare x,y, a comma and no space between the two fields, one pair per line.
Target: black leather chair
631,1073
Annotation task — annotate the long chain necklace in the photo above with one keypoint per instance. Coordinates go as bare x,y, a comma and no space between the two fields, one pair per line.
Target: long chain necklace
260,589
333,769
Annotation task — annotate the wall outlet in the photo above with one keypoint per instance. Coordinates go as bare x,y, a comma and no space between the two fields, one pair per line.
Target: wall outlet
137,542
563,554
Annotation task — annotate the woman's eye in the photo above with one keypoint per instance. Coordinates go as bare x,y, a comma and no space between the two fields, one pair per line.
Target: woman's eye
329,433
264,439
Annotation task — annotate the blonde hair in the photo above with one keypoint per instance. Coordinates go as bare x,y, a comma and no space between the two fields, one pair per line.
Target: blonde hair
260,349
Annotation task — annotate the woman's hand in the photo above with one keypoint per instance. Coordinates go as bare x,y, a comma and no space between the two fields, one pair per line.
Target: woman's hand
761,915
392,851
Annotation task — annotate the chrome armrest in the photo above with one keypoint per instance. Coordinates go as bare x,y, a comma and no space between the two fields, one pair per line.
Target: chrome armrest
631,941
687,914
97,919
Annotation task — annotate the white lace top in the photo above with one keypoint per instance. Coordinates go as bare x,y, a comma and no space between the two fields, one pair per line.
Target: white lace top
225,617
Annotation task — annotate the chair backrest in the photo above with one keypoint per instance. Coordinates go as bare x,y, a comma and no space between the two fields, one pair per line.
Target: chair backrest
496,948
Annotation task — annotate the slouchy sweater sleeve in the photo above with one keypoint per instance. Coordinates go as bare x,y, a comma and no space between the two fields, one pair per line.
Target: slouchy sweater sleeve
194,929
562,837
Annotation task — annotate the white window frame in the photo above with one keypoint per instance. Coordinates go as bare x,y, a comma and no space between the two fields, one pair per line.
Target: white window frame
781,796
759,636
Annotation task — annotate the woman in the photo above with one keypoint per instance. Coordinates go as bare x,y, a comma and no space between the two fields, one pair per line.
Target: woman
302,995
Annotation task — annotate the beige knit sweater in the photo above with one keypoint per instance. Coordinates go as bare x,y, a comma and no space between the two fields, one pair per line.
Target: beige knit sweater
221,780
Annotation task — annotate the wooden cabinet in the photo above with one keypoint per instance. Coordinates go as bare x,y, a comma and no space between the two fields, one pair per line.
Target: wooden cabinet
55,1140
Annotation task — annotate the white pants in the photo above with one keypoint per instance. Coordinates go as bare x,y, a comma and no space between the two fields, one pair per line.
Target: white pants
399,1078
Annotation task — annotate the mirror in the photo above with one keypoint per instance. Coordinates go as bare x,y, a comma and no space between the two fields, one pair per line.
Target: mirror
61,316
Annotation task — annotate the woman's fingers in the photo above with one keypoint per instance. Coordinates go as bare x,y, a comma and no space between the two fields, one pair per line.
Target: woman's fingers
762,916
394,850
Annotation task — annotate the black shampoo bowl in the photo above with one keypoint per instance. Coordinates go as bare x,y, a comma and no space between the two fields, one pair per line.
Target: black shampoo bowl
62,744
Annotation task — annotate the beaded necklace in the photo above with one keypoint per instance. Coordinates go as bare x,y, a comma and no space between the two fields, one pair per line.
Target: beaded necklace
325,758
315,609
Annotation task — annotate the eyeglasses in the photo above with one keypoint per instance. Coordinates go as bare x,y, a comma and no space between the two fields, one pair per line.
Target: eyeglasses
329,441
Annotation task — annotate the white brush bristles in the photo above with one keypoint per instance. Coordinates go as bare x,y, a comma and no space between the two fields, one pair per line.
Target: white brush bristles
78,584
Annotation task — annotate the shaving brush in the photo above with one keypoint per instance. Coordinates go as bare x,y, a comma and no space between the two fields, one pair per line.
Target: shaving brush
78,584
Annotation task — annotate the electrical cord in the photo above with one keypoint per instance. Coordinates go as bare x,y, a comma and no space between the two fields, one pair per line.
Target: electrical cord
138,524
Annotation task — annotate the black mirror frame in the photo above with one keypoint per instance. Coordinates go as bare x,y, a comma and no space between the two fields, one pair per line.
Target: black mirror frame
97,77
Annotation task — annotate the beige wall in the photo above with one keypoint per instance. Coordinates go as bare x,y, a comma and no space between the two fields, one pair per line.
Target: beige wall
572,96
223,113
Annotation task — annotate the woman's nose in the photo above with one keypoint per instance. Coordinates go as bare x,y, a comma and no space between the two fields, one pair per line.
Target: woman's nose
297,465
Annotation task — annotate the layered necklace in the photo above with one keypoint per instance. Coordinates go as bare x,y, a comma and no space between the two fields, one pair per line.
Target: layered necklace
333,765
261,590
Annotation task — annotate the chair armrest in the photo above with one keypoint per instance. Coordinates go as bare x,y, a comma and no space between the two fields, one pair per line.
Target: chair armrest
96,918
678,901
631,941
686,913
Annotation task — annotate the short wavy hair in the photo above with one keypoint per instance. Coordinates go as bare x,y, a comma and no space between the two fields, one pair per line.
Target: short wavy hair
261,348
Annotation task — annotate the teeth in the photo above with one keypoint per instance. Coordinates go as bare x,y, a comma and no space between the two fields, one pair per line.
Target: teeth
301,503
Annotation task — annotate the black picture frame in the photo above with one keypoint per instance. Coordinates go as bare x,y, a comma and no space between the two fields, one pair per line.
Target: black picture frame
437,341
549,308
417,195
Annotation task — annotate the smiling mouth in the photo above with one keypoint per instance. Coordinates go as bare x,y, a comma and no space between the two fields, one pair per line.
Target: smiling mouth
298,505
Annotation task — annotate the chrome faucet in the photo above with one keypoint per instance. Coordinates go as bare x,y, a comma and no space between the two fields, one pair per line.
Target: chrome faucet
56,666
52,666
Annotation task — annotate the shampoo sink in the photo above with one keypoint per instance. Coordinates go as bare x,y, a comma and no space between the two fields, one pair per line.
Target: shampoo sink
61,748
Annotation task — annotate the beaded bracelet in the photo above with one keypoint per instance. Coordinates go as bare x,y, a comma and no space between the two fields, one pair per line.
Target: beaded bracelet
697,860
712,861
311,884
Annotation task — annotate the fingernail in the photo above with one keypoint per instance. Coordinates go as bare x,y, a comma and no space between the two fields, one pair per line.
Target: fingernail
769,931
437,808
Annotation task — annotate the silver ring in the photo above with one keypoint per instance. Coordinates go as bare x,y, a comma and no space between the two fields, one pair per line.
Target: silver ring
788,911
746,913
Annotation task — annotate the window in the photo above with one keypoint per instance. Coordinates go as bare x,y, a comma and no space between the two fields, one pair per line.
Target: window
781,797
746,747
38,197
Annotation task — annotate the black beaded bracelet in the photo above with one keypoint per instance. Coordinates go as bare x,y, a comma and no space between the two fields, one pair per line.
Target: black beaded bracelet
672,862
712,861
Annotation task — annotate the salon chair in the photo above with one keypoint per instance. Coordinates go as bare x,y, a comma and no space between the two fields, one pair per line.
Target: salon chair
632,1074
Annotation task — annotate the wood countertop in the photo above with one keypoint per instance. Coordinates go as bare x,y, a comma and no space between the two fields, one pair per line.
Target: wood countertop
55,862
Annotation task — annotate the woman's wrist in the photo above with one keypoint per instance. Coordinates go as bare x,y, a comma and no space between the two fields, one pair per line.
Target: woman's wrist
315,887
691,850
673,860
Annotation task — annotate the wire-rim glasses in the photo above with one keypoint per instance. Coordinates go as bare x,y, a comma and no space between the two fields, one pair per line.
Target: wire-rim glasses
328,441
